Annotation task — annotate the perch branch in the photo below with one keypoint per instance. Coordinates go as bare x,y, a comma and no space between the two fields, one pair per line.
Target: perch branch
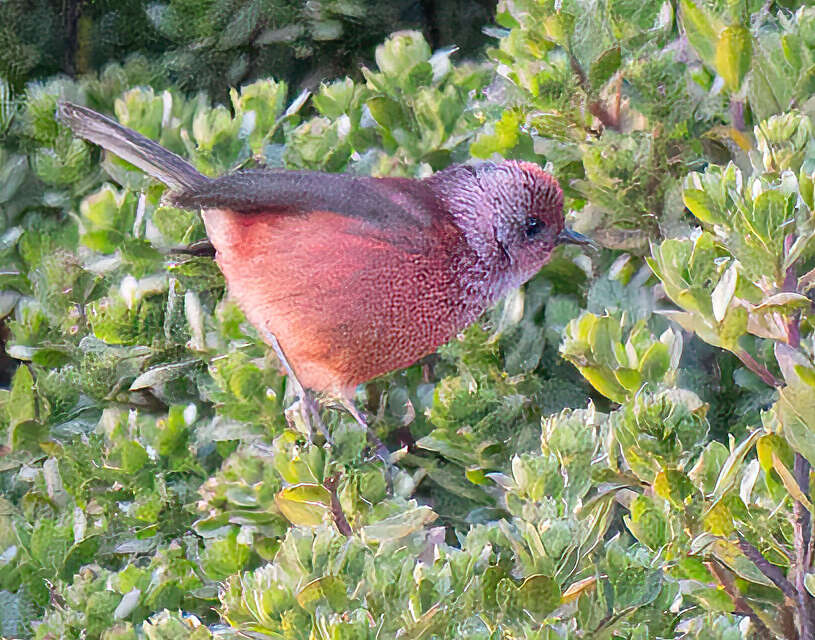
759,369
741,605
772,572
802,533
340,520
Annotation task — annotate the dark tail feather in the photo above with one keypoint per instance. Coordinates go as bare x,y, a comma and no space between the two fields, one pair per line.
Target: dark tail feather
150,157
199,248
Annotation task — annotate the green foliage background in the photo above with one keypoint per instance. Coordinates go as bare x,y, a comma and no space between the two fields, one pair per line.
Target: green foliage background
621,449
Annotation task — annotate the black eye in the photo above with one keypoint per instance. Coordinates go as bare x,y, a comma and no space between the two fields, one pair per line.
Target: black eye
533,226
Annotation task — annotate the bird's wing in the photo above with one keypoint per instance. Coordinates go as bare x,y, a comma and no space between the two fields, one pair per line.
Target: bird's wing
397,209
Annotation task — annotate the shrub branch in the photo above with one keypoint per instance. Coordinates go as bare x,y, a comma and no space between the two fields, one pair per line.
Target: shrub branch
741,605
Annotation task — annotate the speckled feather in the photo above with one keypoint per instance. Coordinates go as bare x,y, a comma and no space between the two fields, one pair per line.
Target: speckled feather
349,297
357,276
344,305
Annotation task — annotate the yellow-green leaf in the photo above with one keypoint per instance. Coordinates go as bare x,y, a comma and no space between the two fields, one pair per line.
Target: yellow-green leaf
701,30
304,504
790,484
330,588
718,520
734,52
576,589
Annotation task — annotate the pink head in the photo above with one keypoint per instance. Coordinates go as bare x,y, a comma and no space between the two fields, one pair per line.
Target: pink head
511,213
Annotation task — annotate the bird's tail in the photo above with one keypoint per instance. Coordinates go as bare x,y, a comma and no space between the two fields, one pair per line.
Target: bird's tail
131,146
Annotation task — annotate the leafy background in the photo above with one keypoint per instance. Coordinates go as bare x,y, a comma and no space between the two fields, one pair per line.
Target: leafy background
620,449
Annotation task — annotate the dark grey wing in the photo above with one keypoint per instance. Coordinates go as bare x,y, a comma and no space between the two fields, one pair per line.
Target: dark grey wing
391,204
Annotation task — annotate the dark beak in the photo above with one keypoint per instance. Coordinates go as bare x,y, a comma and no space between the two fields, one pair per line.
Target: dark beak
567,236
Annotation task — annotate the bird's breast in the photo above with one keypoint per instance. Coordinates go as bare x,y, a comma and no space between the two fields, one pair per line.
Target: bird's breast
345,303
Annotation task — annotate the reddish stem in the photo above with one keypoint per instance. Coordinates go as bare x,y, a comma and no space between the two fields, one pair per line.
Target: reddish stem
759,369
737,115
802,532
336,508
741,605
773,572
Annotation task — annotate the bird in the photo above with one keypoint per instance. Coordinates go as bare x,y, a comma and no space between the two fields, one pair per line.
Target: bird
349,277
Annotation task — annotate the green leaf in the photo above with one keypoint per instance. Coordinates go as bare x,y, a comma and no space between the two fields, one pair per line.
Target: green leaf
401,52
730,554
655,362
770,445
733,465
304,504
224,556
606,383
51,358
336,98
133,456
809,582
400,525
719,520
387,113
21,405
604,66
796,413
701,29
790,483
707,467
700,205
675,487
539,595
169,433
101,209
647,522
734,51
558,27
506,135
163,374
723,292
770,212
27,435
178,226
330,589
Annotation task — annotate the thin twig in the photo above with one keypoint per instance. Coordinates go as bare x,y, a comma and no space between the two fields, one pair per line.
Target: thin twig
801,535
737,114
340,520
794,331
741,605
791,284
772,572
759,369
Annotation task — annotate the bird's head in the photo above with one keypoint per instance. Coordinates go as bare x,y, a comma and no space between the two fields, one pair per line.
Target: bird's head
511,213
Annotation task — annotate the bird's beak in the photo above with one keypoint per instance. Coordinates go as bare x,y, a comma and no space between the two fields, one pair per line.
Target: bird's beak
567,236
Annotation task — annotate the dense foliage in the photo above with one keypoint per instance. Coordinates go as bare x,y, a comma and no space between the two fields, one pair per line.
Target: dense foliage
216,44
621,449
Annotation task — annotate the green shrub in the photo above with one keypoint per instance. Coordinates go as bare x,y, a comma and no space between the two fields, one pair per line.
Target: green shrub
621,449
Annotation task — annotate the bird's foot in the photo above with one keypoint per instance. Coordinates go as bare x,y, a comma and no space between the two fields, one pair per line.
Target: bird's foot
309,407
310,410
379,448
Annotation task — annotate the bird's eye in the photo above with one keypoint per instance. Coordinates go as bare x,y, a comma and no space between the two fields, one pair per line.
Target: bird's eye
532,227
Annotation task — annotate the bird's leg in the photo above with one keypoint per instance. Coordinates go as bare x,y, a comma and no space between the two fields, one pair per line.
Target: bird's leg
381,450
309,407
